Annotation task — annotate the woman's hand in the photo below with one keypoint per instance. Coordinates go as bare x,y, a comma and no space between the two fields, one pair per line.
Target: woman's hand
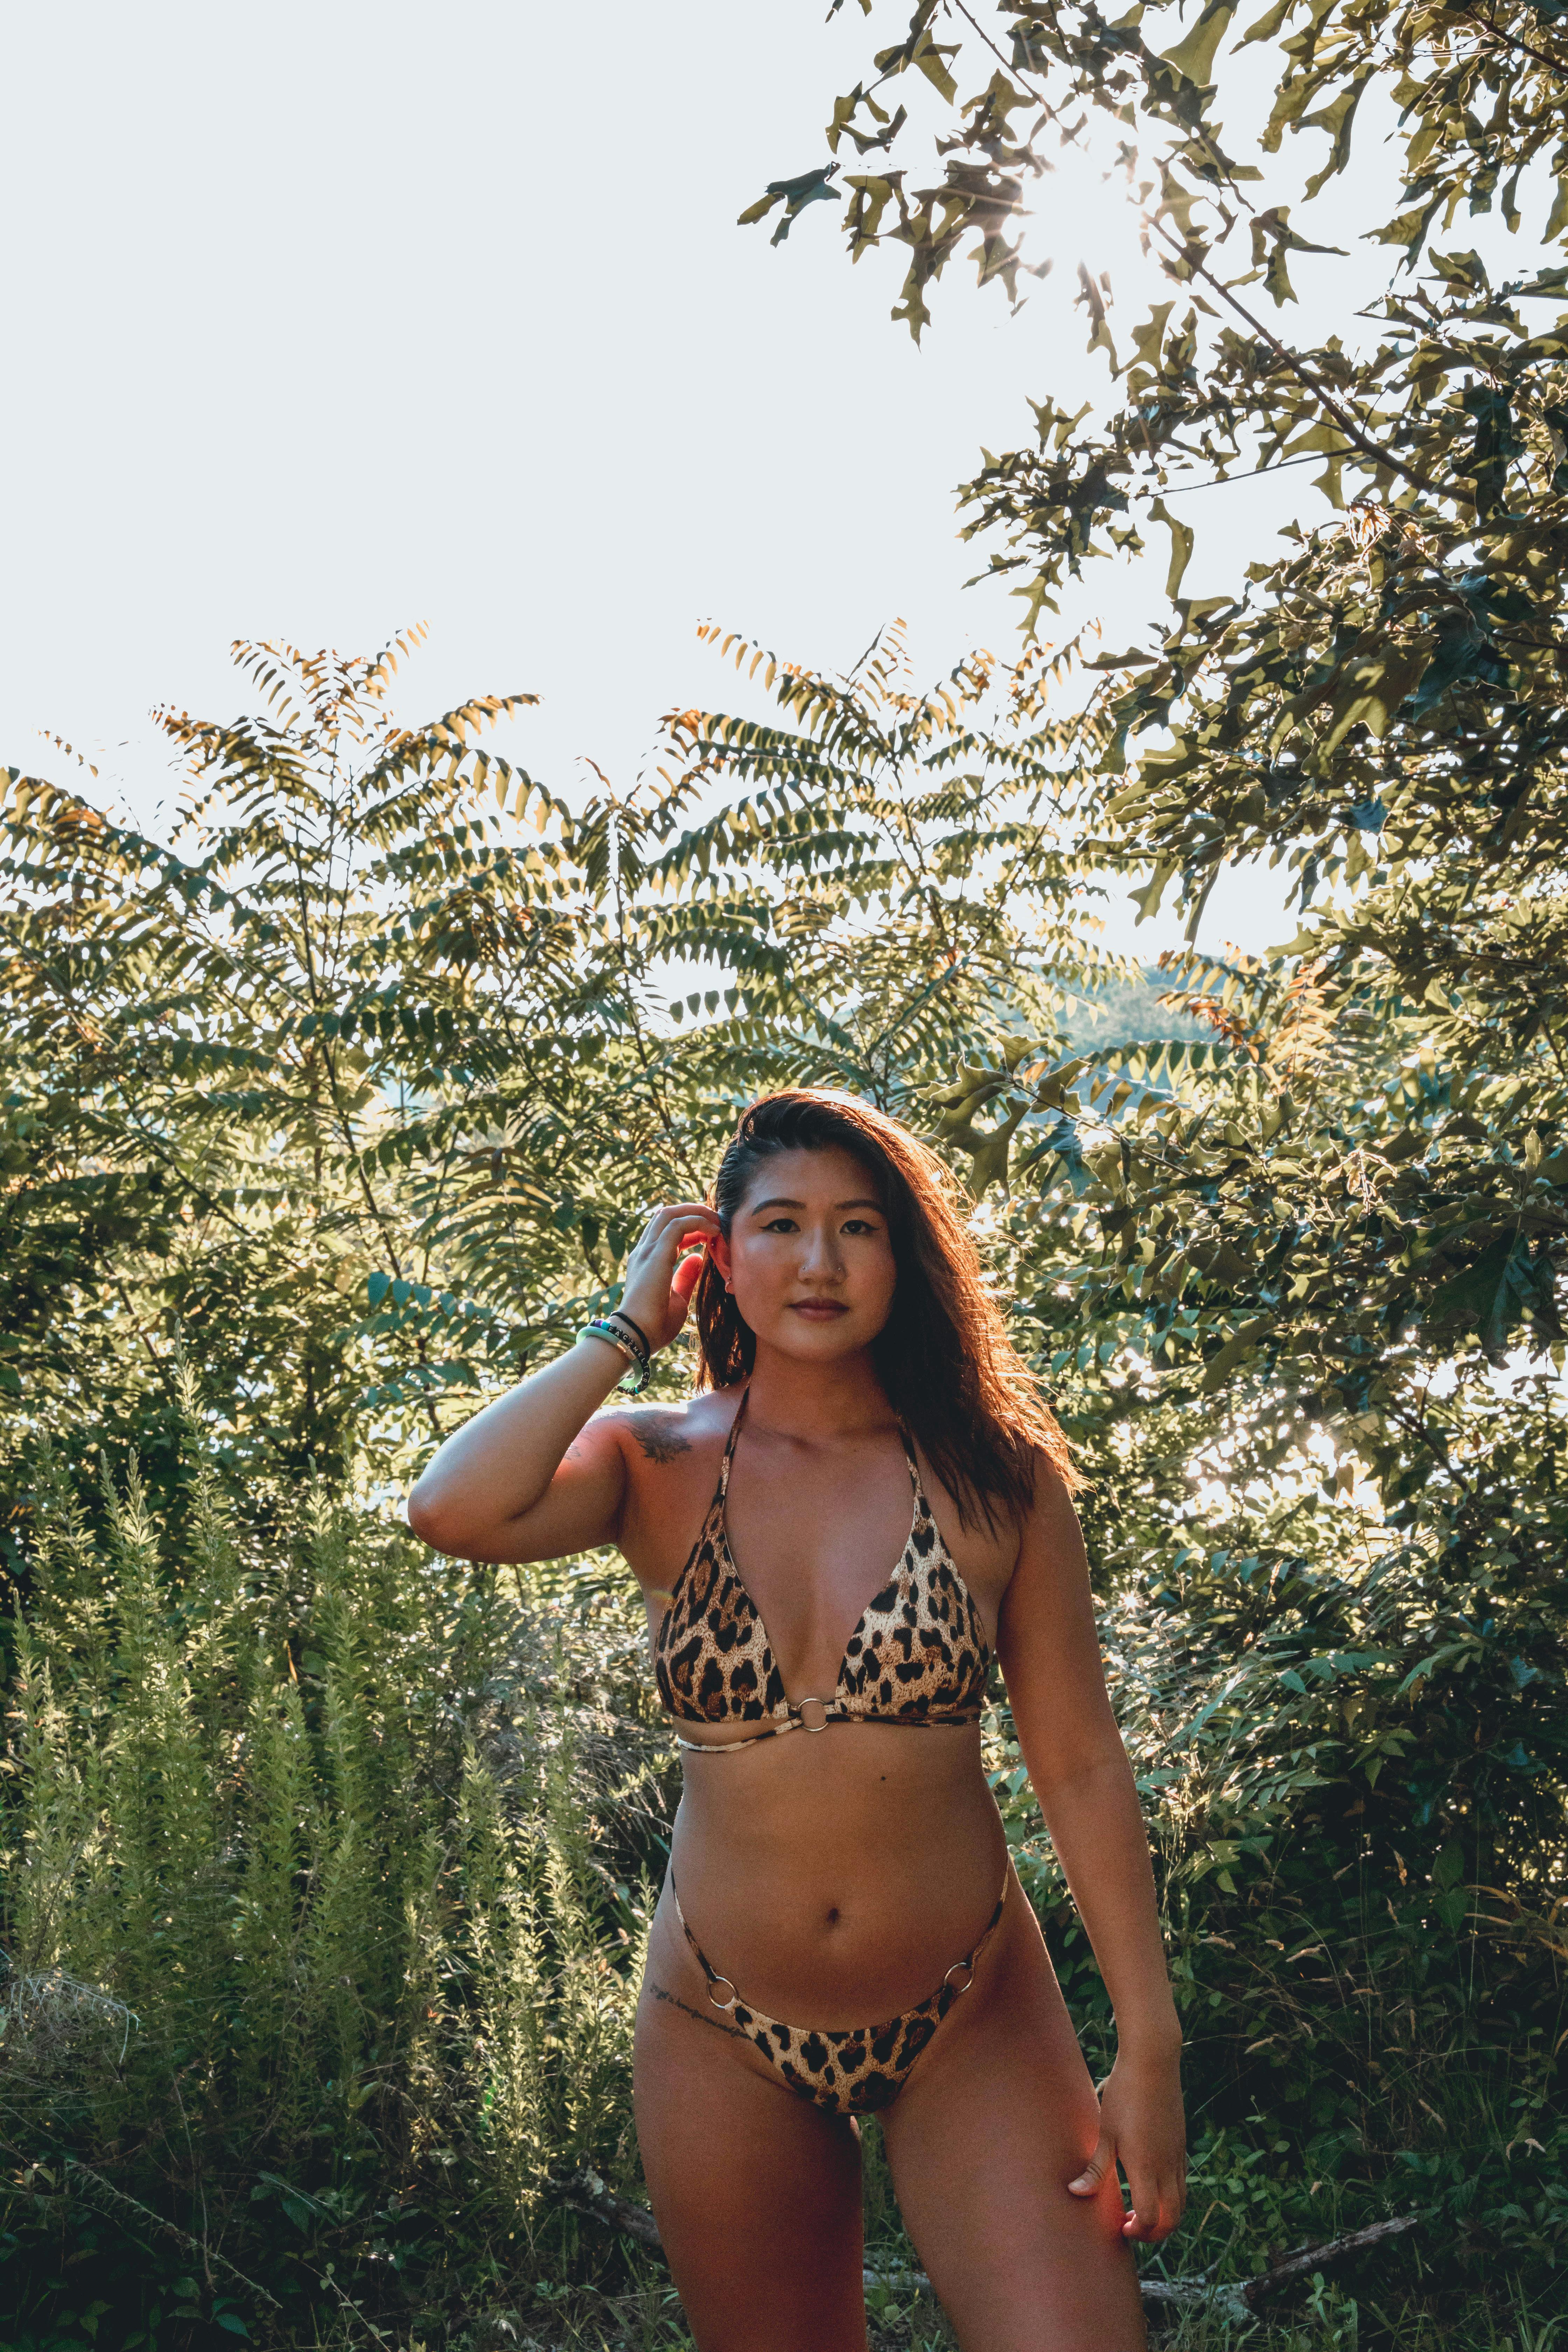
505,1485
657,1289
1143,2128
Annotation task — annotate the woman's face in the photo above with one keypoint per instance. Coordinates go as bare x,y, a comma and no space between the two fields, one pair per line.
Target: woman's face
810,1256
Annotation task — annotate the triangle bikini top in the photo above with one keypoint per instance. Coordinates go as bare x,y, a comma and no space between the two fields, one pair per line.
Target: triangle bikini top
918,1656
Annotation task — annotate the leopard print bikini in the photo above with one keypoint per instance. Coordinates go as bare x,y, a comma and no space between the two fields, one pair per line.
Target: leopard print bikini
853,2072
918,1658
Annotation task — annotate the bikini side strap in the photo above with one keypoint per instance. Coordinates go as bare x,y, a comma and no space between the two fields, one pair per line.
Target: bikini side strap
714,1976
709,1971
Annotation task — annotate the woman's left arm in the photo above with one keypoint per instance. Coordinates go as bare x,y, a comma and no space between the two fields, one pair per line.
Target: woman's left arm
1049,1651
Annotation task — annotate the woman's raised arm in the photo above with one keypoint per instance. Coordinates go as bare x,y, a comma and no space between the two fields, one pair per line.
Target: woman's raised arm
526,1478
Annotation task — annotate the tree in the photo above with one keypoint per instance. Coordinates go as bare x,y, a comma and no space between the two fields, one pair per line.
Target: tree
376,1084
360,1084
1337,1249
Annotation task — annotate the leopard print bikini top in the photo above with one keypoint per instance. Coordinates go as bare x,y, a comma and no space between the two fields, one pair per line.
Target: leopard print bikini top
919,1656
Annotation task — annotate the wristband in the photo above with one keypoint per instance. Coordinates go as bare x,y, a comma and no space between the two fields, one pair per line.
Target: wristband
619,1315
636,1348
637,1378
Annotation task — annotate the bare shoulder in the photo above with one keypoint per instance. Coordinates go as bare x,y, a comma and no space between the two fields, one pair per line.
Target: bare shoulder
661,1433
1042,1541
670,1455
1050,1573
1053,1516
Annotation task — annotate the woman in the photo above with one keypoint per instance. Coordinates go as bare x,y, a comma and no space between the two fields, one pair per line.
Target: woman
880,1502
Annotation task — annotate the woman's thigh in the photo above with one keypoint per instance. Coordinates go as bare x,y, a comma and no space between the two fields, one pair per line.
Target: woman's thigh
756,2192
997,2117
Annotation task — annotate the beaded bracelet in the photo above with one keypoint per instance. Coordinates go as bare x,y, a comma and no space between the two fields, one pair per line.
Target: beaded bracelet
619,1315
636,1346
637,1378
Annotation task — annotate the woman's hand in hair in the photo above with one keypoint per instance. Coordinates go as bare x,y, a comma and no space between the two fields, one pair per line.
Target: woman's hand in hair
659,1277
539,1473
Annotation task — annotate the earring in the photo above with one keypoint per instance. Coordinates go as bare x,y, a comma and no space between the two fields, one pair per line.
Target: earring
729,1285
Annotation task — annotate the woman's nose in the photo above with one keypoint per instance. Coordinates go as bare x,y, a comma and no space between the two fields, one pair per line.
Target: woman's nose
822,1254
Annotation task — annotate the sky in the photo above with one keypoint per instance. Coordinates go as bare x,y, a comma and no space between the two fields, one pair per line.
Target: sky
337,317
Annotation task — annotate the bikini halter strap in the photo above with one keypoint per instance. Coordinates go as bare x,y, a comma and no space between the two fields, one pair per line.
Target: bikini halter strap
724,1487
905,1440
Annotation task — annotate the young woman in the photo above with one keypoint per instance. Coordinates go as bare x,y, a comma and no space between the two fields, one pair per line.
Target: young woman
865,1501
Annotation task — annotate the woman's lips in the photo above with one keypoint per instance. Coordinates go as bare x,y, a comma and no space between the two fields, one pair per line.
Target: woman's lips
819,1310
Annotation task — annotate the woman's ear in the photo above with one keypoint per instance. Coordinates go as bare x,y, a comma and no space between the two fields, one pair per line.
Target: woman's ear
719,1251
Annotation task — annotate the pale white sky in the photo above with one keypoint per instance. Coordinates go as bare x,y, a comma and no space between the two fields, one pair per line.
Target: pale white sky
332,317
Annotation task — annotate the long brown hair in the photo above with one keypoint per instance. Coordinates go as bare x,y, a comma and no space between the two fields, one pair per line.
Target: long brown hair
944,1355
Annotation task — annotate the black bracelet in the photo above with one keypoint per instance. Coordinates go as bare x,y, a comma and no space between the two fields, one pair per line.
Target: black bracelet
630,1339
637,1378
619,1315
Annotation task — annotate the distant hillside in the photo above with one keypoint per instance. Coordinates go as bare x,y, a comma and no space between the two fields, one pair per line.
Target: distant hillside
1127,1012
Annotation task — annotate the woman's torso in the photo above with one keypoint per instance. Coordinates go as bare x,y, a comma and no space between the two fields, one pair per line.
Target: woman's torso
838,1873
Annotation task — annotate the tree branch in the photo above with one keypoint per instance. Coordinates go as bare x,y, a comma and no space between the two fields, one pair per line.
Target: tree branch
1297,367
586,2193
1313,2258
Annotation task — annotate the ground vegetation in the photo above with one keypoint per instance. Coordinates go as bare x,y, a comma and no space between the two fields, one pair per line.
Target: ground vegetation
327,1863
327,1111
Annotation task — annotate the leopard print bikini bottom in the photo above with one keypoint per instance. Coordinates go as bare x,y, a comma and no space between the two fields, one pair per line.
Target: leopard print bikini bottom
854,2072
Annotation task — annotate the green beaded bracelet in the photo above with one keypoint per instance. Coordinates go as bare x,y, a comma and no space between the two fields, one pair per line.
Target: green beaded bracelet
635,1380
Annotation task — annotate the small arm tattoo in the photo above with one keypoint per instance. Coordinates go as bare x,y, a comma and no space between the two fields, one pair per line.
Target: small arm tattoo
659,1434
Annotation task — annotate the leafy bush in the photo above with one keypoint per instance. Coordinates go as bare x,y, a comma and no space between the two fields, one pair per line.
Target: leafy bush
1361,1874
357,1840
327,1884
323,1920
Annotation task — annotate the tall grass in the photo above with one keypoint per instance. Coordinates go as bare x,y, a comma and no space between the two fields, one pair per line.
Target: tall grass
320,1953
327,1868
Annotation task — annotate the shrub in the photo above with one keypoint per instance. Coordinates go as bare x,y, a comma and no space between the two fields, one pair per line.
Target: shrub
324,1917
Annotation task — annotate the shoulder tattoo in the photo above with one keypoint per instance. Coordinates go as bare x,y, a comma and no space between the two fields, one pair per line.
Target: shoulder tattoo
659,1434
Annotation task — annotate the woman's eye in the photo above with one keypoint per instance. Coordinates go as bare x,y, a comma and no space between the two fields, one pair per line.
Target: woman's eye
779,1225
858,1225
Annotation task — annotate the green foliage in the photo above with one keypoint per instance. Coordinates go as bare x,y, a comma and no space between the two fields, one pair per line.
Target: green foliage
1381,706
363,1082
1300,1311
1301,1290
324,1923
326,1889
